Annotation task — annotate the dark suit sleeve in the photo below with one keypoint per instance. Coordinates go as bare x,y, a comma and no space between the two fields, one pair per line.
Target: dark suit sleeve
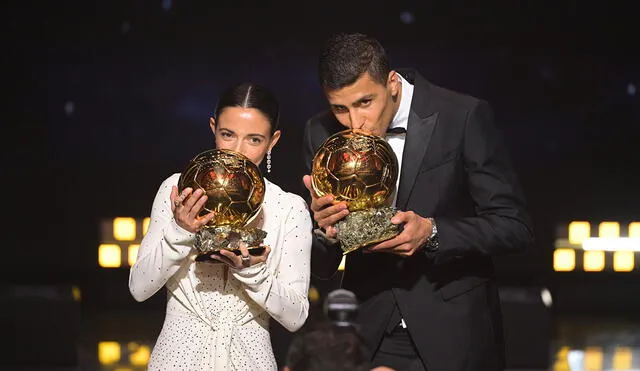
501,224
325,256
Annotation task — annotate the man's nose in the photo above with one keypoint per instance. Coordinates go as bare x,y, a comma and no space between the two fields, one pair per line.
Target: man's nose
356,122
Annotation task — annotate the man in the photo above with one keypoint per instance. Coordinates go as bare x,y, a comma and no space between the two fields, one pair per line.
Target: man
427,296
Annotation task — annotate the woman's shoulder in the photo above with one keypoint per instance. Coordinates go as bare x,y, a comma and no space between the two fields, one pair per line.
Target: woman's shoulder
171,180
168,182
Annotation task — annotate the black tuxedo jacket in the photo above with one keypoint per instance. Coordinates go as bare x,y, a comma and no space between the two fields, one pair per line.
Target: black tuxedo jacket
455,168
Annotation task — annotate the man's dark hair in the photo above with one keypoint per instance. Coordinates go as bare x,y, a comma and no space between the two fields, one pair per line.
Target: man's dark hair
328,347
346,56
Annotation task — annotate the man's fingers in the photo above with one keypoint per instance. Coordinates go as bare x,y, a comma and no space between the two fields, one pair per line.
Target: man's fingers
333,218
331,214
306,179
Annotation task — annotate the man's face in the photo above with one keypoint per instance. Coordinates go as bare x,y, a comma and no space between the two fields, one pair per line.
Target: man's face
366,104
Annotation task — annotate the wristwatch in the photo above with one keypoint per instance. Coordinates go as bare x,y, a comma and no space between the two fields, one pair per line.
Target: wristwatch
432,244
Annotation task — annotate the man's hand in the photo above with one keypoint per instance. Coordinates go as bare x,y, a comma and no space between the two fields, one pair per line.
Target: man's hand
325,212
414,235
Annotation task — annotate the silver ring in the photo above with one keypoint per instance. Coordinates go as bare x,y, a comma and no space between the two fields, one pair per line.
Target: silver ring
246,258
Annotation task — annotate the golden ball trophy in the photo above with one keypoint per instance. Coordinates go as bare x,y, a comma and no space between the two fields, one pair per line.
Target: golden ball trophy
361,169
235,189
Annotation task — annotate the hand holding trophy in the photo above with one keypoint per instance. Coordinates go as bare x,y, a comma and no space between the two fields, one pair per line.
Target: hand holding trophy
235,190
361,169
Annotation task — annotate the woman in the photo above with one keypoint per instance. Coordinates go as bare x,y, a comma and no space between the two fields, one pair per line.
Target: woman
217,315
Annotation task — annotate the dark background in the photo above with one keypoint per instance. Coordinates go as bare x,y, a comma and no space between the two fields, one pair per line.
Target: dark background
105,99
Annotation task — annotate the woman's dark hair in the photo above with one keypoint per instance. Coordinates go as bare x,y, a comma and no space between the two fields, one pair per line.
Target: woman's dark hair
250,95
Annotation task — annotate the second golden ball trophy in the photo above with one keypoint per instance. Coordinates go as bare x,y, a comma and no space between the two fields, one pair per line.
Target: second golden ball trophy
361,169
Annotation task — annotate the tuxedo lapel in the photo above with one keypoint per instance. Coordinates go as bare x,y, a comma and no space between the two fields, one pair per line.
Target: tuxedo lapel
419,133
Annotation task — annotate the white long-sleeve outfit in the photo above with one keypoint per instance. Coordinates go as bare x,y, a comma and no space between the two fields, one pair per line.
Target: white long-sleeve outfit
220,321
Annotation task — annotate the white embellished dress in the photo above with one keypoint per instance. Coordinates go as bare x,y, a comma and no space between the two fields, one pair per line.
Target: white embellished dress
217,318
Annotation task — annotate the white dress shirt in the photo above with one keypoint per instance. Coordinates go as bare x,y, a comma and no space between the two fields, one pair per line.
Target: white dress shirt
401,119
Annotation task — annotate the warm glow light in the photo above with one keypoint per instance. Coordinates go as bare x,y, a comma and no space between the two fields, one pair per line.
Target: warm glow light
634,229
124,229
132,253
564,260
138,354
622,358
561,363
623,261
108,352
609,230
593,261
612,244
314,294
342,262
76,293
109,255
578,231
145,225
593,358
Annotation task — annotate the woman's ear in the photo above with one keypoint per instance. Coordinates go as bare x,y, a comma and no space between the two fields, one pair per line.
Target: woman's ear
274,139
212,125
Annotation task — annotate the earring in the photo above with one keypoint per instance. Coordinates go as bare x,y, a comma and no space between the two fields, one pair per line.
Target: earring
268,161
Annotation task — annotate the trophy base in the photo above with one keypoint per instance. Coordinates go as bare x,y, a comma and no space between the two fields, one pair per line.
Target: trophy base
366,227
211,240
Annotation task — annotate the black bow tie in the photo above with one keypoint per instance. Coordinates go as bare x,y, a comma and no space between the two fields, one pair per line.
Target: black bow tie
396,130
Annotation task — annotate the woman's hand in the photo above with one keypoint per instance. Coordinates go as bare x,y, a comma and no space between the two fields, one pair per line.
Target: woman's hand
244,260
186,207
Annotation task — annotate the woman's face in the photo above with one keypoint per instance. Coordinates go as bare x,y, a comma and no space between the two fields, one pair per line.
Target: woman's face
244,130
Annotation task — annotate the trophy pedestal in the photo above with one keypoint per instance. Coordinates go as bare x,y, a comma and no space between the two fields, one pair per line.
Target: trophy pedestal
366,227
211,240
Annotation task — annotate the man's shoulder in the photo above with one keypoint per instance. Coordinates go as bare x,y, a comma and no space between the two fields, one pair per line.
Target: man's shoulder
322,124
456,98
443,98
322,118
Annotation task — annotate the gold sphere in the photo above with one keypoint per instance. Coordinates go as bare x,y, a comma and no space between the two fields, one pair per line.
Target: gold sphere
234,185
356,167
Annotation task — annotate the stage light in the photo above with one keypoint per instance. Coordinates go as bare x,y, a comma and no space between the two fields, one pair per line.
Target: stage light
109,255
593,358
124,229
120,241
76,293
145,225
108,352
609,230
611,244
564,260
593,261
578,231
132,253
623,261
138,354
